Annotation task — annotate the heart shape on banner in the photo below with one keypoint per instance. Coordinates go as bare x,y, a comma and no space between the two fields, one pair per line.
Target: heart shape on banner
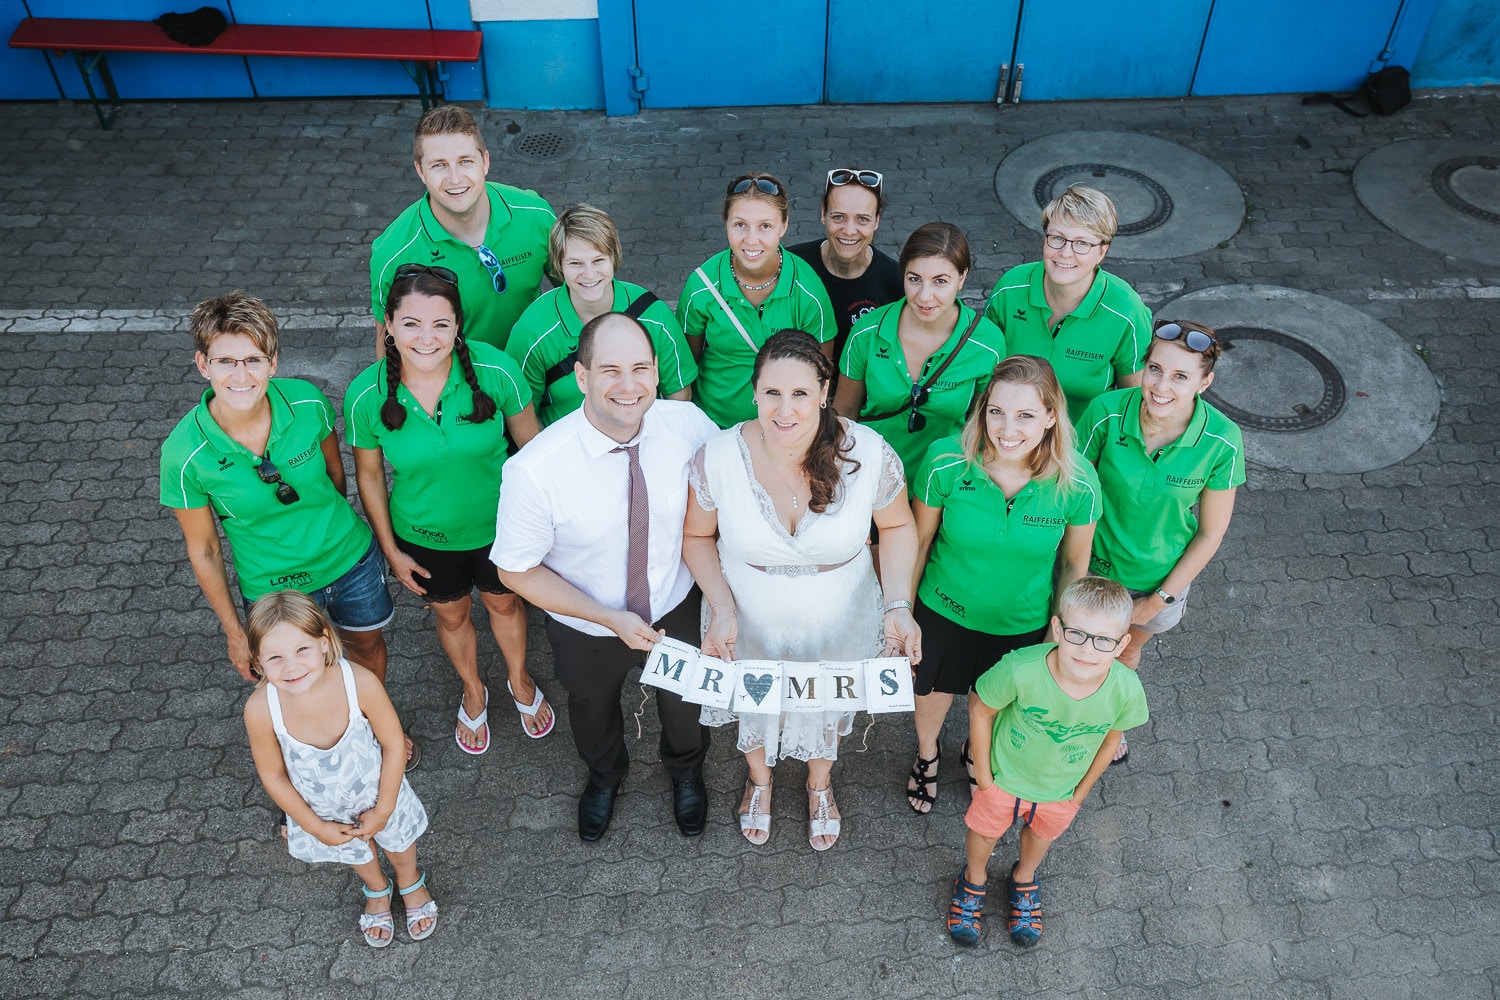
758,687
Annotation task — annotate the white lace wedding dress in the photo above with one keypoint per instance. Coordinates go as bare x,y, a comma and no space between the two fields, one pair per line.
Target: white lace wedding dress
806,596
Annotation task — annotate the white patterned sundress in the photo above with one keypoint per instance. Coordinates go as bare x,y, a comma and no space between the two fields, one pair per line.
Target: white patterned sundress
340,783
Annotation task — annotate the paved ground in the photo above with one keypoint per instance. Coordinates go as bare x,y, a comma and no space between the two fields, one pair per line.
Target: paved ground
1312,811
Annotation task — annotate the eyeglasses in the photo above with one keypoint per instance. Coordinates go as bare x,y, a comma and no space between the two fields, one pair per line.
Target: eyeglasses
492,264
916,420
1081,248
763,184
1194,340
257,364
269,475
1103,643
839,176
440,273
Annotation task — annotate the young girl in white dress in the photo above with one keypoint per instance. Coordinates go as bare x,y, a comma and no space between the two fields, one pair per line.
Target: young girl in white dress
328,747
776,536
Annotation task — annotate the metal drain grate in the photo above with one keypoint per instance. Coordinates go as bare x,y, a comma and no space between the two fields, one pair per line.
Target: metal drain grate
541,145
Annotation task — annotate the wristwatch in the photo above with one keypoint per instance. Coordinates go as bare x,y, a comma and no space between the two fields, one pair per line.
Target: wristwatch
1166,597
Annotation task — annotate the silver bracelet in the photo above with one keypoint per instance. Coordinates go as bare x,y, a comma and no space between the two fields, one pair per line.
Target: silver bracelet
895,606
716,607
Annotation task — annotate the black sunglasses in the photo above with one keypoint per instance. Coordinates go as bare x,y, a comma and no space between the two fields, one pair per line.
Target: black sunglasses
764,184
440,273
839,176
269,475
1194,340
916,420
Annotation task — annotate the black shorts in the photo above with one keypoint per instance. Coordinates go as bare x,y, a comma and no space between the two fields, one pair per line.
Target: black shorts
454,573
954,657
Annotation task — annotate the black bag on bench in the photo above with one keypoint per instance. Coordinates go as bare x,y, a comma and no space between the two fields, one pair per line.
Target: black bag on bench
199,28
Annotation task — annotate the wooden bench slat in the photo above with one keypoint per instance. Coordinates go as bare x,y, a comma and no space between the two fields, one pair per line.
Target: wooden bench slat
409,44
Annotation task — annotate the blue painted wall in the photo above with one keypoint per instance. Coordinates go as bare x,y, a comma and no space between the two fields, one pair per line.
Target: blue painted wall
543,64
1462,46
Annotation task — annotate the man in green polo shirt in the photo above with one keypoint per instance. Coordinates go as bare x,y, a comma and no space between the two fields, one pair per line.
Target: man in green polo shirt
493,236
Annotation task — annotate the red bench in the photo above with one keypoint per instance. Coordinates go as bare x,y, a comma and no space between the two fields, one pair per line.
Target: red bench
90,41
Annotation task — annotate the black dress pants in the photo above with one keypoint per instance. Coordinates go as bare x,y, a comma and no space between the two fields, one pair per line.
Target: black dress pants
593,670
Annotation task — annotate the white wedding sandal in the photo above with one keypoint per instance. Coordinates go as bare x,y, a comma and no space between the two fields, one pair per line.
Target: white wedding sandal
820,822
754,823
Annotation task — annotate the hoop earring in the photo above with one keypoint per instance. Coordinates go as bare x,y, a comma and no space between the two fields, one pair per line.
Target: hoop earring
390,340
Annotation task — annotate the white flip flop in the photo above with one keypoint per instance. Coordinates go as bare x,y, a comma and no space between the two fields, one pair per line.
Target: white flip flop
524,710
482,719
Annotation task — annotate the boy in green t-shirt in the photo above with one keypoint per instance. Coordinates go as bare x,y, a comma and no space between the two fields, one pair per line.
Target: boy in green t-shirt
1043,727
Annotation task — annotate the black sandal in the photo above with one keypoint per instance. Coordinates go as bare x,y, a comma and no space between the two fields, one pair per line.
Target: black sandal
922,777
963,755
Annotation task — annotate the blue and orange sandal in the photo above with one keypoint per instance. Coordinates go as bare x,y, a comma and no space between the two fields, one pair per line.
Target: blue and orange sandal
369,922
966,911
1025,923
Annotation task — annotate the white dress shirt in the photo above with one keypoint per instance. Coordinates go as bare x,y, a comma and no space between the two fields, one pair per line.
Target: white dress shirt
564,504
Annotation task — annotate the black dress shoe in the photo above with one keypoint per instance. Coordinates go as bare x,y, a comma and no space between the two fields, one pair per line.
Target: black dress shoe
690,805
595,809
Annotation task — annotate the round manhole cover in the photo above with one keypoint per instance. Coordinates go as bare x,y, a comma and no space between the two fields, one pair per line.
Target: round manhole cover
1316,385
1141,204
1470,184
1301,390
1171,201
1443,194
547,144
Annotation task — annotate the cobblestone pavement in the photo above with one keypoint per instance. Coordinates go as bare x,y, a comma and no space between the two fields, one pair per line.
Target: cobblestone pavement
1312,811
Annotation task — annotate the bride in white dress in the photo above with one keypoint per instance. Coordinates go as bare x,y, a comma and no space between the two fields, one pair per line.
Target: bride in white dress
776,537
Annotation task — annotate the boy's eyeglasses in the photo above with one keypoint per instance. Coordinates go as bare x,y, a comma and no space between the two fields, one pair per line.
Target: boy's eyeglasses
257,364
1194,340
839,176
1103,643
440,273
762,184
269,474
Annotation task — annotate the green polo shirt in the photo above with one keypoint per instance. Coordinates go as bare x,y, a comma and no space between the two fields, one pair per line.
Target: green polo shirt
873,354
300,546
990,566
520,222
1044,739
544,342
798,302
1148,498
1094,346
445,470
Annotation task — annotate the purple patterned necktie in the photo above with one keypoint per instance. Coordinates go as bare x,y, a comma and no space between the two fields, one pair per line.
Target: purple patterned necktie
637,583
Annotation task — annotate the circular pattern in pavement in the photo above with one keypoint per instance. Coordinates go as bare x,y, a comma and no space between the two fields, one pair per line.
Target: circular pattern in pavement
1315,385
1443,194
1171,201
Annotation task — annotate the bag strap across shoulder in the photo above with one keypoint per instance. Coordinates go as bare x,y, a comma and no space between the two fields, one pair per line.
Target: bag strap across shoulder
931,379
719,296
564,367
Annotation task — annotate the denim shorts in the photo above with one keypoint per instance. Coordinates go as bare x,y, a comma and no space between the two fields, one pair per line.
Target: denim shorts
358,601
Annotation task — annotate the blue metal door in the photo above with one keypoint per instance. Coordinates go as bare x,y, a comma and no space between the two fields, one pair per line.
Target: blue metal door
885,51
1077,51
1289,46
692,54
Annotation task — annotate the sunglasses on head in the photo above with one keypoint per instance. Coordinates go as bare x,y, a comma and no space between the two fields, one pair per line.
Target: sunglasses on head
840,176
1194,340
440,273
763,184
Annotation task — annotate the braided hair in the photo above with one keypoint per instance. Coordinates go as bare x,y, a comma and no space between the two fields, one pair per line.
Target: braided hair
828,455
392,413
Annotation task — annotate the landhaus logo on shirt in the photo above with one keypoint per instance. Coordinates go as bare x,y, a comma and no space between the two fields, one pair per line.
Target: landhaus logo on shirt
430,535
1042,521
1078,354
1186,482
296,581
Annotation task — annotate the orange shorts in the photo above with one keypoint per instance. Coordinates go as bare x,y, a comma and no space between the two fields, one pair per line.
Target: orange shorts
994,811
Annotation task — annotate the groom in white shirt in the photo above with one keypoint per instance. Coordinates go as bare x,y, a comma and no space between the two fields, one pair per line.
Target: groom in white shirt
590,530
